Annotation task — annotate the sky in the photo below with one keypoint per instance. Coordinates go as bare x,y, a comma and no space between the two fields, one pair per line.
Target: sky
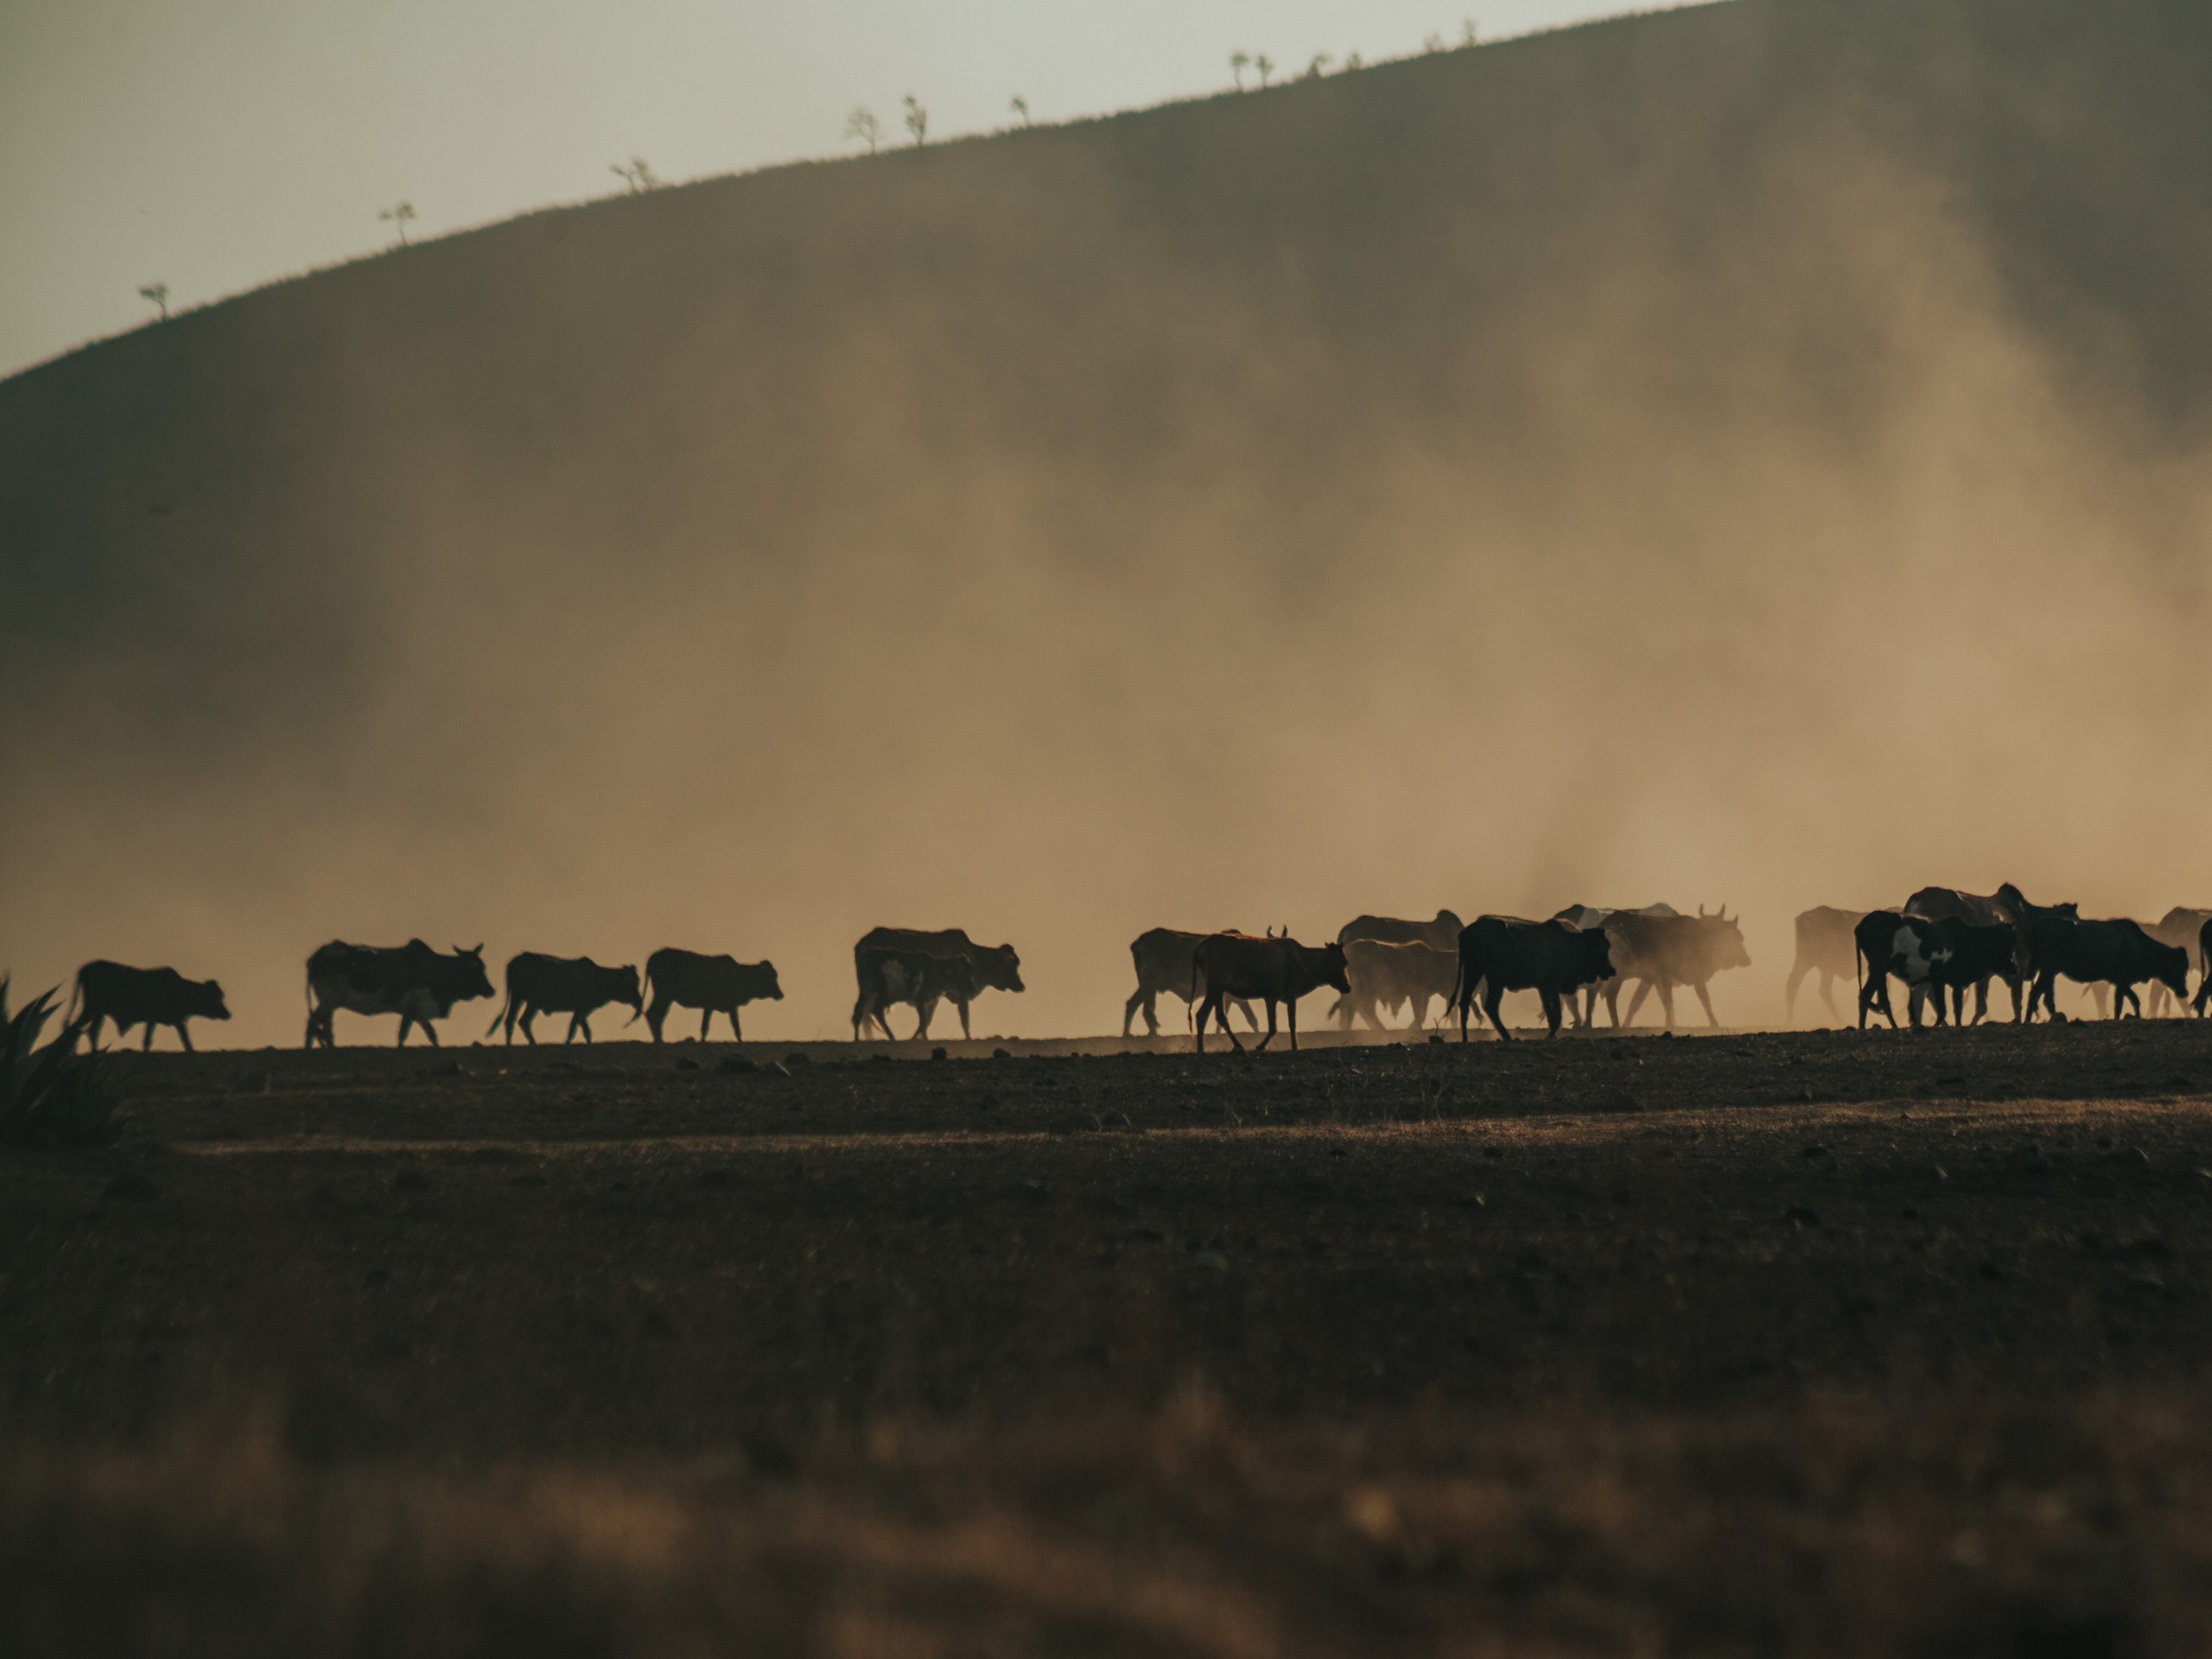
219,145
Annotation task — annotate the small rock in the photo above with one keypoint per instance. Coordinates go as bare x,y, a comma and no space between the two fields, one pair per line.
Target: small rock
939,1053
129,1187
1000,1054
685,1062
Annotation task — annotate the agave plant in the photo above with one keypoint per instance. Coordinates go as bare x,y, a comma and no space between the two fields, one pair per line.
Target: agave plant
49,1095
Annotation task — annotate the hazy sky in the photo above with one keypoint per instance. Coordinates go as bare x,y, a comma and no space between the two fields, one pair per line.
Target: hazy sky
218,144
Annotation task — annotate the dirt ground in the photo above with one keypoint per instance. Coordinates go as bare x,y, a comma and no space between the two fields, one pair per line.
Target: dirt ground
1813,1343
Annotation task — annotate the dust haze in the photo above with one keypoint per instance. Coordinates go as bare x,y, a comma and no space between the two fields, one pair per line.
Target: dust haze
1752,455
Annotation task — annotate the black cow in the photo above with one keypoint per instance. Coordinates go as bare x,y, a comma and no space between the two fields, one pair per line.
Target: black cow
1583,1010
889,976
1936,959
2007,904
577,986
1441,934
2117,952
141,996
1825,946
711,984
412,981
1272,969
997,968
1504,953
1162,956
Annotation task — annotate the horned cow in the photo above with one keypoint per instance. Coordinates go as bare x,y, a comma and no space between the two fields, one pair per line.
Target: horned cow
1272,969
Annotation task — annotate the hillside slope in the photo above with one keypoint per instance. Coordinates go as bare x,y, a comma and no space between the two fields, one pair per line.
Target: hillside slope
1746,454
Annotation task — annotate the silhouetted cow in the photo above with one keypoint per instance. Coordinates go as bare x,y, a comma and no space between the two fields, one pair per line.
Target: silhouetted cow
890,976
1980,910
411,981
996,969
1936,959
141,996
577,986
1162,956
1441,934
1824,947
1503,953
1277,971
2203,954
2116,951
1384,976
711,984
1662,952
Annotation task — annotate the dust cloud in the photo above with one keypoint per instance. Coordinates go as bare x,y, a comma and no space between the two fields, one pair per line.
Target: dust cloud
1715,457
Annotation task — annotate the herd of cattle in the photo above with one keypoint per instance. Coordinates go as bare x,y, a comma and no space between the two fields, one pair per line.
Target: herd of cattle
1941,944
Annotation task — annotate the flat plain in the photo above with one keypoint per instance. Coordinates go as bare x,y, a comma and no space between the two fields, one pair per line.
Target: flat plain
1811,1343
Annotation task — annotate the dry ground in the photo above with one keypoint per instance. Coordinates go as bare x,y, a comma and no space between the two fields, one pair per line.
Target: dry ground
1813,1343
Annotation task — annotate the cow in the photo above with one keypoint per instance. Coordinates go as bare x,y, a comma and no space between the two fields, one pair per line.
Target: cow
577,986
1503,953
711,984
139,996
1825,947
412,981
888,975
2184,927
1662,952
1936,959
1275,969
1383,975
1980,910
1162,956
1583,1010
2116,951
1441,934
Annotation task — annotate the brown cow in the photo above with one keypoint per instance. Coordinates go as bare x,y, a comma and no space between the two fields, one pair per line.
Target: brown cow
1277,969
994,967
1162,956
1826,946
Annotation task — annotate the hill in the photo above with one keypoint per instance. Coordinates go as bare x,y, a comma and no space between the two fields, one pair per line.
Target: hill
1749,453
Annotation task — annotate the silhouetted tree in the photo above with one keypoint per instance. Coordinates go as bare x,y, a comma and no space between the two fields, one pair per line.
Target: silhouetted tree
1467,30
159,294
1238,63
863,124
1321,61
917,119
1433,43
1265,64
1020,105
637,175
1353,60
397,216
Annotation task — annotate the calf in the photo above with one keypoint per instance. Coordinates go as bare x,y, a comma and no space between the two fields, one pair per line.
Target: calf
1277,969
2117,952
711,984
888,977
1503,953
577,986
141,996
1384,976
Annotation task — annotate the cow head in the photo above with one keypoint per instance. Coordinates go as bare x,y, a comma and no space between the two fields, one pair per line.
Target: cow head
999,969
204,998
1333,967
775,991
470,979
631,991
1726,936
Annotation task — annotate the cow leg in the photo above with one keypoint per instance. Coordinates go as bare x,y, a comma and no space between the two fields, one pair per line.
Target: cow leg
1138,999
2101,994
430,1031
927,1008
1492,995
147,1047
1643,990
1827,994
1710,1018
92,1032
1798,969
737,1031
2122,995
1552,1010
580,1020
184,1036
530,1024
966,1035
1265,1040
1291,1008
406,1020
656,1017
